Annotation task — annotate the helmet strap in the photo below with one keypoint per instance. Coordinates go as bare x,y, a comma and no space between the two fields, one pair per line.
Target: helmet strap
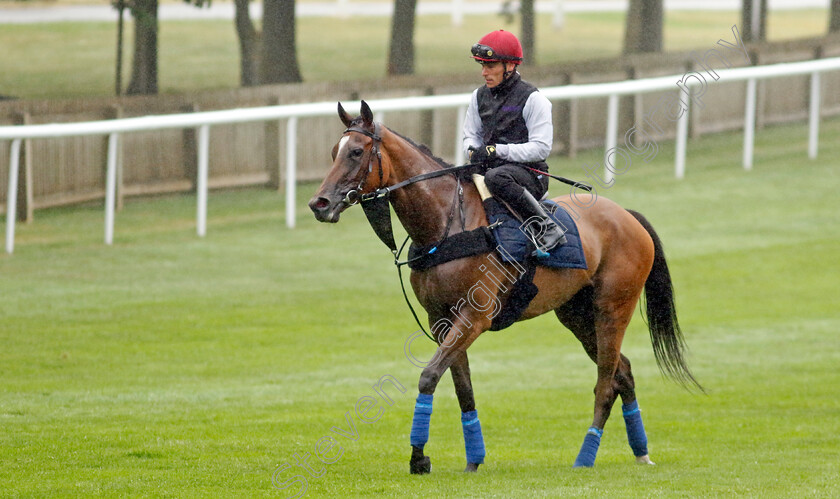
508,74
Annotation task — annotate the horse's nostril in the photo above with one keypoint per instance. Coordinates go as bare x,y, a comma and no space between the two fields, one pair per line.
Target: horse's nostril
320,204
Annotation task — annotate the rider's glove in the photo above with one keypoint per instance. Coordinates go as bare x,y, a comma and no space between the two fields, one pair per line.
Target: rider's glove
482,154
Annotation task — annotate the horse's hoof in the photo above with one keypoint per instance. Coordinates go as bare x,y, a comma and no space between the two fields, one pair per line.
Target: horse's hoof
471,467
422,466
644,460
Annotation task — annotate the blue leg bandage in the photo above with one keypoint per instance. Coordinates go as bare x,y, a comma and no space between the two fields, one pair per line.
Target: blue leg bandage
589,449
635,428
422,416
473,439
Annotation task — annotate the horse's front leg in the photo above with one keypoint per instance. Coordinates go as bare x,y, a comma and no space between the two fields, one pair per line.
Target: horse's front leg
460,335
473,439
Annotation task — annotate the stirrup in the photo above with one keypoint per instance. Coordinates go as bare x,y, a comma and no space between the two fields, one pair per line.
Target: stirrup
538,251
541,248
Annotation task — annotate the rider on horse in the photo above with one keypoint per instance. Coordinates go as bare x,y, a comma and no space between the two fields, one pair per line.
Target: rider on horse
508,130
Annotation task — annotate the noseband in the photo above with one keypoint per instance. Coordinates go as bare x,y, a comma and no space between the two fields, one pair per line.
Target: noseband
353,196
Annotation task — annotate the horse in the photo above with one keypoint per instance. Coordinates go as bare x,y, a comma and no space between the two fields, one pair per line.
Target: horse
623,253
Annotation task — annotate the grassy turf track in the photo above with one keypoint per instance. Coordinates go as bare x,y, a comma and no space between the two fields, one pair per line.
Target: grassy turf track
169,365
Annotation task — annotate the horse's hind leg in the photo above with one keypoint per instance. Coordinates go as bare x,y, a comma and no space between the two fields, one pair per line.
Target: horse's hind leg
578,315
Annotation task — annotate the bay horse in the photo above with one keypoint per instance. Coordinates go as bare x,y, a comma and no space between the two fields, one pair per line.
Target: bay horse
623,257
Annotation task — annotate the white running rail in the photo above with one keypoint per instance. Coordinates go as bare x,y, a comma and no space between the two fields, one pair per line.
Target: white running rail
202,121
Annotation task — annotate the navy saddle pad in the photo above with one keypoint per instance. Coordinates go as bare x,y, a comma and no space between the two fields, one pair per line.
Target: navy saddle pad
518,246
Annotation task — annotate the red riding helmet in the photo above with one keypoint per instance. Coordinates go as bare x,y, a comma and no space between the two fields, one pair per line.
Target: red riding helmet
498,46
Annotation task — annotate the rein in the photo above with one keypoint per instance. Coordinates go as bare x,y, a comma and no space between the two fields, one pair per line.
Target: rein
377,208
376,205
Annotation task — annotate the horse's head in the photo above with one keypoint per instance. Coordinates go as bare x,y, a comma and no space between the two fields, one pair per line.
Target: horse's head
357,167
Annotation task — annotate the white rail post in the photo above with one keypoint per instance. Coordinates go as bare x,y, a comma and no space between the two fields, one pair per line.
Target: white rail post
201,181
682,138
814,116
457,12
111,188
11,197
291,167
342,8
459,135
749,125
612,129
559,18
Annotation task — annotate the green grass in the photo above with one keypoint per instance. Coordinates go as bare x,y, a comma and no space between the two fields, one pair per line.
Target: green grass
78,59
170,365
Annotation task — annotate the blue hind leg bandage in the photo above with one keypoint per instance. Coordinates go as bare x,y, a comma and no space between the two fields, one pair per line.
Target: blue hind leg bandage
422,417
635,428
473,439
589,449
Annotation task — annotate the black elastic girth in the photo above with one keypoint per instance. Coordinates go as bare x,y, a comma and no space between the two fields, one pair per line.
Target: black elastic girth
460,245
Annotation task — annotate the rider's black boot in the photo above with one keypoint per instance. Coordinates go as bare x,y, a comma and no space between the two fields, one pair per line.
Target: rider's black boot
543,230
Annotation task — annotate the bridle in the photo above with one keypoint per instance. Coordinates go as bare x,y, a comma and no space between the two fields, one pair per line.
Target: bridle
378,213
377,206
353,196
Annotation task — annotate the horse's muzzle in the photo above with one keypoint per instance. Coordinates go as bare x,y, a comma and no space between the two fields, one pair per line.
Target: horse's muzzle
325,210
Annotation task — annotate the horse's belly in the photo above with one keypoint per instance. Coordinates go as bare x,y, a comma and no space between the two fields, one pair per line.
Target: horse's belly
556,287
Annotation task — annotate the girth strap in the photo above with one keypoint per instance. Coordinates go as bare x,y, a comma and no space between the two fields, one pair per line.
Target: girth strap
461,245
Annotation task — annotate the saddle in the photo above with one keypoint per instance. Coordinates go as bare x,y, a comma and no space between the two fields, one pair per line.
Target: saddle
507,238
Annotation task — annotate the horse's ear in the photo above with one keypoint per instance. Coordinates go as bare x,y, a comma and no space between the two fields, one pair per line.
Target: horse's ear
345,118
367,114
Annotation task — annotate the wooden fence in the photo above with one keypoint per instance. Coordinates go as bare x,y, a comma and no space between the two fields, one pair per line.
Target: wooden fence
72,170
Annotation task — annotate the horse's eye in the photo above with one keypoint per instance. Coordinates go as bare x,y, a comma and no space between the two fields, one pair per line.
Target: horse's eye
356,153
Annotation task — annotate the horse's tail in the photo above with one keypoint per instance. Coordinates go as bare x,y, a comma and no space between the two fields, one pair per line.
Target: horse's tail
661,315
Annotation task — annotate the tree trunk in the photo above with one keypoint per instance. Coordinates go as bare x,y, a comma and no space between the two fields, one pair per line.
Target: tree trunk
834,22
120,5
401,52
751,32
528,33
144,65
248,45
643,26
279,62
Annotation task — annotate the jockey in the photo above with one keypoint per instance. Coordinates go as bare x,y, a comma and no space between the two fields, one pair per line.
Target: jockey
508,129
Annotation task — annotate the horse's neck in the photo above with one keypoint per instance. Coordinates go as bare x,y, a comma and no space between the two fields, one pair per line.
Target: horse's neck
427,208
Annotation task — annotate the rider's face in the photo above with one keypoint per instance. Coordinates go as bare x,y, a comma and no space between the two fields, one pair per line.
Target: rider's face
493,73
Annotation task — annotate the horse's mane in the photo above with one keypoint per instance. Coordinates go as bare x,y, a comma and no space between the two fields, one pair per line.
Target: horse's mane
423,149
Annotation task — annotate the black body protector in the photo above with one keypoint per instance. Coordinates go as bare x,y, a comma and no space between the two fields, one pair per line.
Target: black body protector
500,109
